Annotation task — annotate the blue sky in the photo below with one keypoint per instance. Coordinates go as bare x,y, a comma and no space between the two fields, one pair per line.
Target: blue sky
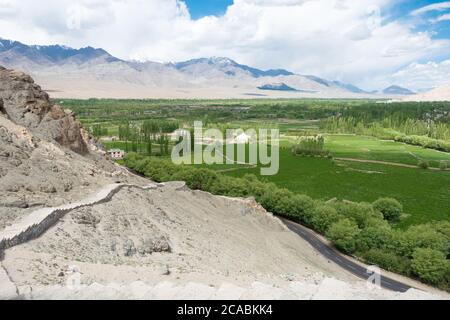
399,10
402,10
419,16
201,8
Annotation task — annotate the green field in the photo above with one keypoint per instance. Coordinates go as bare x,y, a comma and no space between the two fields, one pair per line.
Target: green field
368,148
424,193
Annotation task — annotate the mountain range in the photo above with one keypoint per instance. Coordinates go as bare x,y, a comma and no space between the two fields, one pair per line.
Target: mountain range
91,72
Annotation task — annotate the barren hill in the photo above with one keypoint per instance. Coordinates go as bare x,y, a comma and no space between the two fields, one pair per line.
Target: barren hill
439,94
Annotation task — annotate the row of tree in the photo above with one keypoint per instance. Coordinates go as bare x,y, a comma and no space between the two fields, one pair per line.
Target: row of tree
310,146
427,134
147,137
99,130
429,128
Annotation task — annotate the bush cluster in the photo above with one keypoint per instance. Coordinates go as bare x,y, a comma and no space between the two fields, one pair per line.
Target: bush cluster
362,229
424,141
311,146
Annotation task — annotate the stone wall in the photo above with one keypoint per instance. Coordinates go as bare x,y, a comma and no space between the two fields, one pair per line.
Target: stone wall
40,221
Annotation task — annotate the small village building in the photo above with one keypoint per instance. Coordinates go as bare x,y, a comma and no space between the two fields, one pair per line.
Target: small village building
116,154
242,138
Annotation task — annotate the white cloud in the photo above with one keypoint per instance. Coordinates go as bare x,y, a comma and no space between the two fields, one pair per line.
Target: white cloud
444,17
337,39
440,6
423,76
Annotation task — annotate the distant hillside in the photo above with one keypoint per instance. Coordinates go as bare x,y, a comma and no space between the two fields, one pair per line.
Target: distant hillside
228,66
394,90
342,85
277,86
438,94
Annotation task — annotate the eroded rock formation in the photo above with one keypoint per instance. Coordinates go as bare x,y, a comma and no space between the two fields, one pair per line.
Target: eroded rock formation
26,104
46,157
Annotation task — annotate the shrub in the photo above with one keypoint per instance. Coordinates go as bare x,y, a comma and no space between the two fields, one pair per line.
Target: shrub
256,187
423,164
388,260
323,216
140,165
343,234
311,146
389,207
303,207
278,201
421,236
361,213
430,265
378,236
442,227
197,179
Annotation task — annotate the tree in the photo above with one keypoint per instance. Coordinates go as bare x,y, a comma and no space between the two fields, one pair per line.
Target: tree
362,213
377,236
149,146
343,234
303,208
323,217
390,208
422,236
430,265
279,201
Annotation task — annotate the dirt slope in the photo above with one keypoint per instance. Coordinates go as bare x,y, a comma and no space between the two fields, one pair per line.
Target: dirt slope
177,243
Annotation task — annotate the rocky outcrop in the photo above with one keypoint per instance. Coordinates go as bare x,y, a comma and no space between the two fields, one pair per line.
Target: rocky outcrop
24,103
46,158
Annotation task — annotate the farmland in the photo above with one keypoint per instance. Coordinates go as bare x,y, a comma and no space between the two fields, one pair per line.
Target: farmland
424,193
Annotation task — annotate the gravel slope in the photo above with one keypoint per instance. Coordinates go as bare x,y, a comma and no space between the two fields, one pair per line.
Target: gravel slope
172,242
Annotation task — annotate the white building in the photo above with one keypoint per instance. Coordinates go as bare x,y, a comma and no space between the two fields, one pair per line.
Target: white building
242,138
116,154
